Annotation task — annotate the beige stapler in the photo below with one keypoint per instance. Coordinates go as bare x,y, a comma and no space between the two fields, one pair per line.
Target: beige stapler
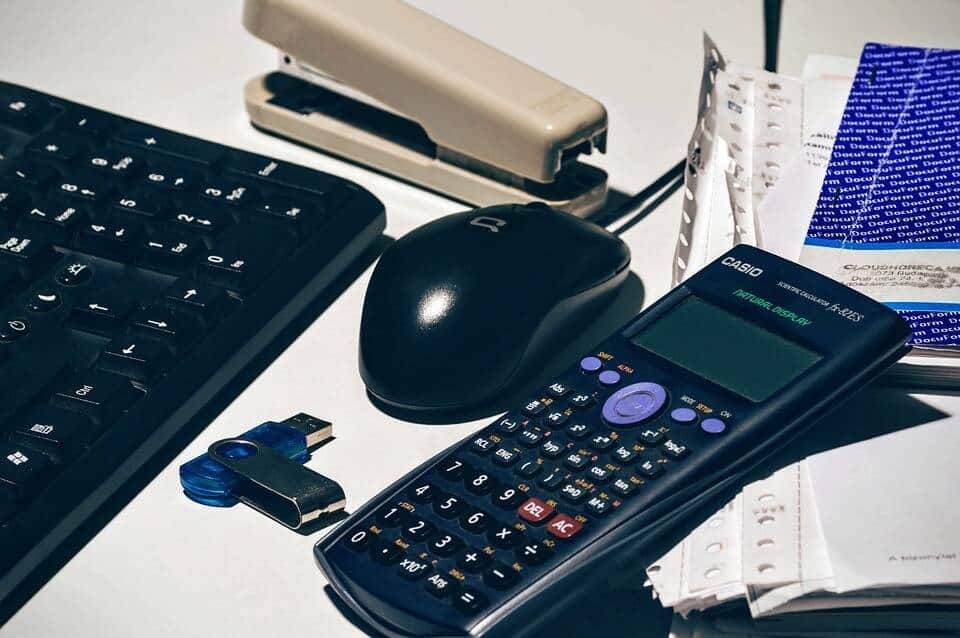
385,85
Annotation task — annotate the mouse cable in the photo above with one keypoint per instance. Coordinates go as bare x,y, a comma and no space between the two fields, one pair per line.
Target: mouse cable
671,188
637,200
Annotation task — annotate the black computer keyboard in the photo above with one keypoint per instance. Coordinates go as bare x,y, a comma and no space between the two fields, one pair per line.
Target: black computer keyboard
140,271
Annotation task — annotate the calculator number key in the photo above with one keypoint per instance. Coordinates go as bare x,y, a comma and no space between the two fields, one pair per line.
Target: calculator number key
507,497
479,482
444,545
452,469
417,529
448,505
474,521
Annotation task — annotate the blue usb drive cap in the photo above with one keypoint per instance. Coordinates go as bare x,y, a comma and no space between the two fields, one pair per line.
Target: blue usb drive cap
210,483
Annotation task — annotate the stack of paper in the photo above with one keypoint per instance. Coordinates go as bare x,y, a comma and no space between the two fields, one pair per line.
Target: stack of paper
875,523
849,170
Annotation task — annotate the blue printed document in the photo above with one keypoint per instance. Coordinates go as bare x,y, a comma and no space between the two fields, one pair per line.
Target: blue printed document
887,221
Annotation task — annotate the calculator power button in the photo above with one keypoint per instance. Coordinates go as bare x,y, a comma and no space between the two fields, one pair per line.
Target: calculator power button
634,404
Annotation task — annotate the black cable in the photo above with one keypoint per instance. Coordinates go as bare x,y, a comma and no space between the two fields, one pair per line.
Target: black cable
649,208
635,201
771,33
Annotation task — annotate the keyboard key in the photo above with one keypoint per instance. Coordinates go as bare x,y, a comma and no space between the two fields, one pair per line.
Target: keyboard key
528,469
26,253
241,261
473,560
650,468
441,585
134,203
81,121
198,219
650,436
452,468
13,199
13,329
391,516
74,272
558,390
112,240
507,497
508,424
55,220
576,461
417,529
102,310
578,430
552,449
598,474
500,576
535,511
386,552
555,418
22,470
200,299
421,492
44,300
624,454
56,146
674,449
552,479
474,521
113,162
358,540
99,395
573,492
411,568
32,174
227,192
564,527
479,482
504,536
482,445
533,553
60,434
581,400
598,507
176,329
297,216
82,186
469,601
169,252
168,178
149,140
448,505
623,487
601,442
281,173
24,110
534,408
530,437
505,457
444,545
135,358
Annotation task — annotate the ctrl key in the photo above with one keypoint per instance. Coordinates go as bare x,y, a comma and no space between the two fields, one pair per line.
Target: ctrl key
100,395
22,470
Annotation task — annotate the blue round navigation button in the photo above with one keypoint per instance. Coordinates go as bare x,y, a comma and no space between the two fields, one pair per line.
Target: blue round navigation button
609,377
635,403
590,364
713,426
684,415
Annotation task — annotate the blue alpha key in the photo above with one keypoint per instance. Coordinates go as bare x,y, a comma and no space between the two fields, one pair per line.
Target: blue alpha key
208,482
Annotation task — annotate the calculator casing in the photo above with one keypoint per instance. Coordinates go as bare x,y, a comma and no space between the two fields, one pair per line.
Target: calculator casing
659,513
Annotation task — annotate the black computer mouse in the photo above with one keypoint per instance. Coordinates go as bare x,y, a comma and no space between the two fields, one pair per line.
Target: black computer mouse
463,309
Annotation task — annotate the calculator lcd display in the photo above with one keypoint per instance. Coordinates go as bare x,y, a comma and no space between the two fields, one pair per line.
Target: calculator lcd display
726,349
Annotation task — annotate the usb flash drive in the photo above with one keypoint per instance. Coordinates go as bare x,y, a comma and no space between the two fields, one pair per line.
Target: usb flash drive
208,482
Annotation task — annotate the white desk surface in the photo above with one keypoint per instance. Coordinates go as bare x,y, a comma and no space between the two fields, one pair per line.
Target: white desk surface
168,567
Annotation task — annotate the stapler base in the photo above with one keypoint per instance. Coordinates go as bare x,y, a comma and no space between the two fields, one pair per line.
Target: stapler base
330,124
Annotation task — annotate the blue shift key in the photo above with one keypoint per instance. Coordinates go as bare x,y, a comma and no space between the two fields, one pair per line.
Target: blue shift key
210,483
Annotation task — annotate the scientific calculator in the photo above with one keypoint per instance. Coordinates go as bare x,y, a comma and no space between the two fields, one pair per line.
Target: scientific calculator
552,499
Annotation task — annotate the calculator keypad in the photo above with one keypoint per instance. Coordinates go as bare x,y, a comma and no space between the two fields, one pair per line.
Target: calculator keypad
526,490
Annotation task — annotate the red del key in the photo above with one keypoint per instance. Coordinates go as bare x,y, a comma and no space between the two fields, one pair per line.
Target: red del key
535,511
564,527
